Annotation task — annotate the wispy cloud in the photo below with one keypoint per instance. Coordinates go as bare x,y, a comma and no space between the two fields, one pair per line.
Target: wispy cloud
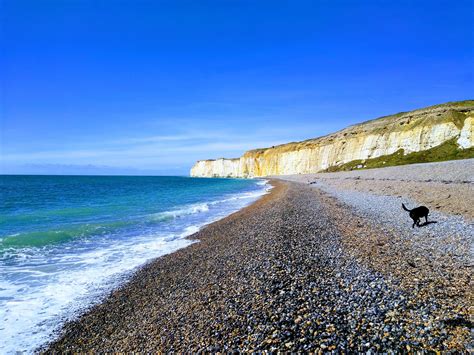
150,150
177,150
154,149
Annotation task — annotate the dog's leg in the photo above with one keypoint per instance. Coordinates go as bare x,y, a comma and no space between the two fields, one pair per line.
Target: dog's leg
426,218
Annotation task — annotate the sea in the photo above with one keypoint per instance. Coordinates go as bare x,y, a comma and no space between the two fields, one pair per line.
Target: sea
67,241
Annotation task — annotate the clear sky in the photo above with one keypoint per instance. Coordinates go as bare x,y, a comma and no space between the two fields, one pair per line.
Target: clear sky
148,87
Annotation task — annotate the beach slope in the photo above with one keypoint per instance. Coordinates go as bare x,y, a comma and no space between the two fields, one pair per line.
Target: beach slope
298,270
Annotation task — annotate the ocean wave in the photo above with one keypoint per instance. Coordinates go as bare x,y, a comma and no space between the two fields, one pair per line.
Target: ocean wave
191,209
242,196
38,239
184,211
60,235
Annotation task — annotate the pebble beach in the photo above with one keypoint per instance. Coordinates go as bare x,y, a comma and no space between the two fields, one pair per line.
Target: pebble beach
316,265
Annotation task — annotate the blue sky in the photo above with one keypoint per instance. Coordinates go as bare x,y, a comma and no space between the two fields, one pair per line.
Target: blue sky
148,87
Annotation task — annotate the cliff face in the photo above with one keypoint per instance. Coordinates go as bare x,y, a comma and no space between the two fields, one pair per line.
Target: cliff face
412,131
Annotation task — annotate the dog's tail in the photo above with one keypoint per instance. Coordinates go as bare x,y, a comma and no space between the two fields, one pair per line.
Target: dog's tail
404,207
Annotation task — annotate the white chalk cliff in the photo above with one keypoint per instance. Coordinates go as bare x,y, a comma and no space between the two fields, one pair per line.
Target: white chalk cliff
412,131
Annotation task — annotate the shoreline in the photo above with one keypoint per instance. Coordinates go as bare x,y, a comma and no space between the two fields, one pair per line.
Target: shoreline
51,285
120,281
196,238
285,273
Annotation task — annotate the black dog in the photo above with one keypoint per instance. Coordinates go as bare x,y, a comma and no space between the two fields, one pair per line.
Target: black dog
417,213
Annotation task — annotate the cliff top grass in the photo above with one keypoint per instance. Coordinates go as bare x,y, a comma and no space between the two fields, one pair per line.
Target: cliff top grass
456,105
449,150
231,159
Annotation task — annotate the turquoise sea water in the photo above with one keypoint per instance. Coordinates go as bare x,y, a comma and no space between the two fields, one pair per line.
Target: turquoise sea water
65,240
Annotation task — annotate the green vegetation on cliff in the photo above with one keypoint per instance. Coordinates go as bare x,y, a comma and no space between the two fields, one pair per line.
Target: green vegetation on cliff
449,150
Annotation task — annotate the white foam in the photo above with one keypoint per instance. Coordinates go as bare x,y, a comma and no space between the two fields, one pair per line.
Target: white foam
31,312
187,210
262,182
204,207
